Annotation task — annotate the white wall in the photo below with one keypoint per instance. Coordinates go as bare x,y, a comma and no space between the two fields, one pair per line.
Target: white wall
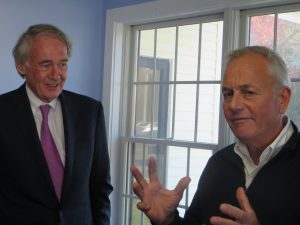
80,19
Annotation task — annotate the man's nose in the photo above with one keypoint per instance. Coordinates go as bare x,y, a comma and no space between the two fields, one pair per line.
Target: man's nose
236,102
56,71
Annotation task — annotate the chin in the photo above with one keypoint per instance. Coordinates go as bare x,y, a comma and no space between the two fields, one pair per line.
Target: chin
242,134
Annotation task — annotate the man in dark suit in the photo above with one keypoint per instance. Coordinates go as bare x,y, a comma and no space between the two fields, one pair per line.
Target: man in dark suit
30,192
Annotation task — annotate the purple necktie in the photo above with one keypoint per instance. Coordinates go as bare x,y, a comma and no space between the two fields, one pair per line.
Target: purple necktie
55,165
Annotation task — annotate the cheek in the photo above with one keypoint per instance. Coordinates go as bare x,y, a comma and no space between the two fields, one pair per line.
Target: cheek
226,110
64,76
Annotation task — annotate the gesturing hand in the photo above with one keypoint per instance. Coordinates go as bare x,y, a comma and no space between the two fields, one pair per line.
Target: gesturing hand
241,216
158,203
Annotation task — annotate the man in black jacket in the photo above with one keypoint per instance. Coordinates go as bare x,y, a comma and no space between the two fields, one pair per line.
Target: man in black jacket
254,181
33,190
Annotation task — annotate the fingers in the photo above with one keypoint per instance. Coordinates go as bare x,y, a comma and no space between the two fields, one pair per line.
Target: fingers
216,220
138,190
138,176
243,215
143,206
152,169
233,212
243,199
182,184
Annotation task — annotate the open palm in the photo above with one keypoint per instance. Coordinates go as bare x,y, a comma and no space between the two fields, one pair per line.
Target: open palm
157,202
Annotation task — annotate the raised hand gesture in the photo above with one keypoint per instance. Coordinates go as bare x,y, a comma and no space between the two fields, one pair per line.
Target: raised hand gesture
158,203
240,216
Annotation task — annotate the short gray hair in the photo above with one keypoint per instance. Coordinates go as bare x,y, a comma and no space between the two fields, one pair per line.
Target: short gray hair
22,47
277,66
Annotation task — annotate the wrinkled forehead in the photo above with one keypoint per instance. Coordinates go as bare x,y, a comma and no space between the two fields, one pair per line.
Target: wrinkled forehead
250,69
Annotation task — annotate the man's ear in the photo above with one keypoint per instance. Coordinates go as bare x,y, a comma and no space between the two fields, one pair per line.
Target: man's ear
285,96
21,69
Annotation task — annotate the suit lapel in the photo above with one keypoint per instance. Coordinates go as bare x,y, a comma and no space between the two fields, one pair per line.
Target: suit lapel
69,128
27,125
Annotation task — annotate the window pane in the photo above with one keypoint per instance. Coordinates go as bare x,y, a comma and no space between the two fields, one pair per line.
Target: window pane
211,51
146,49
294,107
187,56
143,111
176,167
262,30
136,215
198,160
141,153
208,113
165,48
146,220
185,108
288,36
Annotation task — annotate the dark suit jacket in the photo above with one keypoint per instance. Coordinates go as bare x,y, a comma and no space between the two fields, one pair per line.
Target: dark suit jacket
27,195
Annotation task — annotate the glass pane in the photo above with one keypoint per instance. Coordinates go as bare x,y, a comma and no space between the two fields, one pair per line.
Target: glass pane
143,111
185,108
211,51
146,50
181,212
146,220
294,107
208,113
187,55
153,111
140,155
136,214
165,48
198,160
288,36
262,30
176,167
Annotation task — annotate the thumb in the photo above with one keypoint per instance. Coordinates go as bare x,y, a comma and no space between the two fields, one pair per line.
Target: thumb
182,184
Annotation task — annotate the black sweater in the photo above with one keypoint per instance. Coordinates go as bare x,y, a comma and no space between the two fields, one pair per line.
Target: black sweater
274,193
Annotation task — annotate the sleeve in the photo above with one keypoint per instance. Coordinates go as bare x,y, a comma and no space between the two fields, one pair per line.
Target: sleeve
100,183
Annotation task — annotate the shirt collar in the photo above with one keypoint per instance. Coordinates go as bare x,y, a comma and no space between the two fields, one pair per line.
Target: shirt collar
35,102
272,150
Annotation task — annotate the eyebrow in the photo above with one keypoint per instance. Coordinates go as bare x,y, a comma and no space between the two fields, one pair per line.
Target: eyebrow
49,61
243,87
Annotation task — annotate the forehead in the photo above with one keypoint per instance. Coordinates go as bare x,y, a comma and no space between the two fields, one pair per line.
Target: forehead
249,69
46,46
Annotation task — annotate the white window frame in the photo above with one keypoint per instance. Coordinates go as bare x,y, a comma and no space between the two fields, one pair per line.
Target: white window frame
116,56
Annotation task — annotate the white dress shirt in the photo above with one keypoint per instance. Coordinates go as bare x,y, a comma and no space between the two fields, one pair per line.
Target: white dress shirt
55,120
251,169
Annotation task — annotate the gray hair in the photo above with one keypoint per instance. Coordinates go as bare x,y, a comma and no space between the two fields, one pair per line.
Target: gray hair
22,47
277,66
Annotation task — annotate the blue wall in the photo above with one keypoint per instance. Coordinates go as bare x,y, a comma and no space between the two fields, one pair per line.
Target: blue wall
82,20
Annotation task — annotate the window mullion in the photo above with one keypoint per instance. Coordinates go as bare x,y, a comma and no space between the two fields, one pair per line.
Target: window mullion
174,88
188,174
153,86
198,84
275,31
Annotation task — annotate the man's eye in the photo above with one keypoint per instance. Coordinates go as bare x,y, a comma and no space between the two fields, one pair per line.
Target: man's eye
249,93
45,66
227,94
63,65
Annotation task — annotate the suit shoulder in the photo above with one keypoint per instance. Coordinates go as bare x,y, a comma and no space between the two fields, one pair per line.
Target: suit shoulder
79,97
8,97
82,100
